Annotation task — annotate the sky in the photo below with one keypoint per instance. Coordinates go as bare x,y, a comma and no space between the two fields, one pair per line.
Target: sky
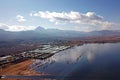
78,15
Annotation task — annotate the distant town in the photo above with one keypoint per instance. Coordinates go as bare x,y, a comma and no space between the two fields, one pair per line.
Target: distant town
42,52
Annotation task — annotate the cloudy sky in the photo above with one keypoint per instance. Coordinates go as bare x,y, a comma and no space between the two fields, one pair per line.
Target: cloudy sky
79,15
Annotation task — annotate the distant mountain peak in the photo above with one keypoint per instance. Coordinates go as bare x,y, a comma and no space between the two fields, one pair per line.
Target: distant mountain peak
39,28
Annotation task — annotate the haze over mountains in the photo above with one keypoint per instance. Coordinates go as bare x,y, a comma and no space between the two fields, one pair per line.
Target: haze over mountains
40,33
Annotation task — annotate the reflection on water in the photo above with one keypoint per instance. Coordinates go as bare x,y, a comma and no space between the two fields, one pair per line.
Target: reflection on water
90,61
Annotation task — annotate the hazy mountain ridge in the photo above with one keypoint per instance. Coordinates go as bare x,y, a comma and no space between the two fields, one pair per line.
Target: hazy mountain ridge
40,33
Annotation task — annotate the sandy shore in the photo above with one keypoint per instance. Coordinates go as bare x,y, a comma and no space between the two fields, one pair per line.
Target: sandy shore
22,68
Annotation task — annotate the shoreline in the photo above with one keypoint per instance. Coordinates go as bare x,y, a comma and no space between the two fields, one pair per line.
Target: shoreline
19,69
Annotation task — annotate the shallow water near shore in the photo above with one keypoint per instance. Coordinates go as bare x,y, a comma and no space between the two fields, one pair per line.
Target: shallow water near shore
89,61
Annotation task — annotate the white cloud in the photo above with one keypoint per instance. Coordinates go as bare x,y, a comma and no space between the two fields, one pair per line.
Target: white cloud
89,18
20,18
20,28
3,26
72,17
15,27
111,26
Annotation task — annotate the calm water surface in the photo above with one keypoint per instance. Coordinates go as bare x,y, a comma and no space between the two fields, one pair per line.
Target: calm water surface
86,62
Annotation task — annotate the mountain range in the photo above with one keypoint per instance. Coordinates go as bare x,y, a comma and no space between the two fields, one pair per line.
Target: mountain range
40,33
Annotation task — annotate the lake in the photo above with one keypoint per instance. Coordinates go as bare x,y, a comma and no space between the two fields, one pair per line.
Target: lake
85,62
